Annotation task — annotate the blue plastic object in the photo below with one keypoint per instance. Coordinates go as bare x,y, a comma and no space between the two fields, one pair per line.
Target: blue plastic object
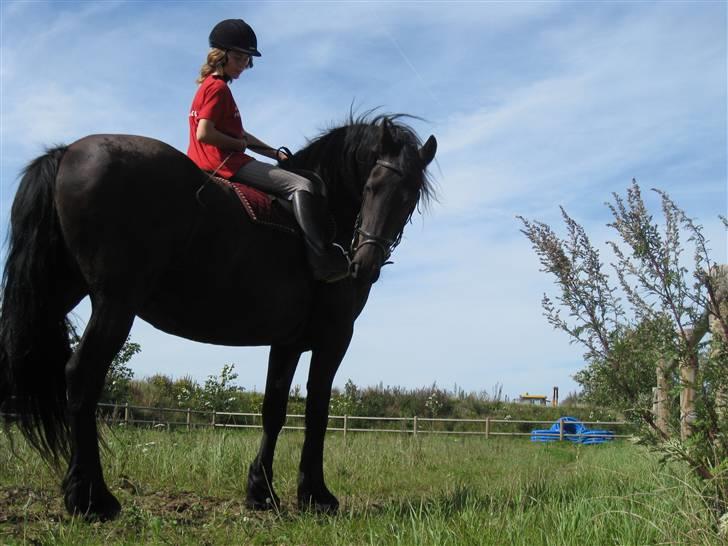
574,431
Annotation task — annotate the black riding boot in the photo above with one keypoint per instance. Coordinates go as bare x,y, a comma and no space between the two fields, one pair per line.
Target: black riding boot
328,261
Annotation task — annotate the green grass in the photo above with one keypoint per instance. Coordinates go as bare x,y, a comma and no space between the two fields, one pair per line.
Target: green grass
189,488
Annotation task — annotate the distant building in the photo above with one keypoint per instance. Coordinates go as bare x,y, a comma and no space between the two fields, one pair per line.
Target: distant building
534,399
539,399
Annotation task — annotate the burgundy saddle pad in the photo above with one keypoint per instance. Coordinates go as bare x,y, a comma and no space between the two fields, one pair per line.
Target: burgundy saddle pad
261,208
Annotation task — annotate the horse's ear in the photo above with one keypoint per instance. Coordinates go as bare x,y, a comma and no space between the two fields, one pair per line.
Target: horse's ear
387,145
427,152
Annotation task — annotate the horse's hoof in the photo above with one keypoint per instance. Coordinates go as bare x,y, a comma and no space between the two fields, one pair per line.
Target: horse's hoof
96,506
269,503
260,494
324,503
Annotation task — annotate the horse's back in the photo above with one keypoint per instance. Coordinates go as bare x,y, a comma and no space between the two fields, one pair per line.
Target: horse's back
120,196
120,158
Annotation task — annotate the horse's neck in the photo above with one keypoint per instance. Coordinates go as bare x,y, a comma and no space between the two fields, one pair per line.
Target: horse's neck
344,212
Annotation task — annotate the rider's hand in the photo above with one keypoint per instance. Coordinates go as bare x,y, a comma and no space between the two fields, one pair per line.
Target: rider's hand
282,156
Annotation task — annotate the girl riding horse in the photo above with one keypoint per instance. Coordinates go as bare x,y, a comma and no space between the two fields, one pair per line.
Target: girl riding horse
218,143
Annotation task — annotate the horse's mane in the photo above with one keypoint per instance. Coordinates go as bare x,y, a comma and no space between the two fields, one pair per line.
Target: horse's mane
348,151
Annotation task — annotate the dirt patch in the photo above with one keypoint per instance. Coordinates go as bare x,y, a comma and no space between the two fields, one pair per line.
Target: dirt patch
25,508
24,504
189,508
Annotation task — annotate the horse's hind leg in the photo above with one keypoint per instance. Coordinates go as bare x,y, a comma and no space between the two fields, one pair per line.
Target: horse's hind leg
282,363
85,491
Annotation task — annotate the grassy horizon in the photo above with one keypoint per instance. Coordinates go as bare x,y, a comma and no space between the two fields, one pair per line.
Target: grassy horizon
189,488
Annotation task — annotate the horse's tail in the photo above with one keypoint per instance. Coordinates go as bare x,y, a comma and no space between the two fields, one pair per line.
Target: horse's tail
34,332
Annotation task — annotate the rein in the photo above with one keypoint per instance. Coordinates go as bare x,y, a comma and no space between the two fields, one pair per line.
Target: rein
283,149
306,173
268,148
209,178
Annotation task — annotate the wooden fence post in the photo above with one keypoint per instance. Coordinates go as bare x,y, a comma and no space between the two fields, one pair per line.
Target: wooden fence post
213,418
688,372
189,418
126,413
414,426
346,424
561,430
720,281
661,396
721,397
487,428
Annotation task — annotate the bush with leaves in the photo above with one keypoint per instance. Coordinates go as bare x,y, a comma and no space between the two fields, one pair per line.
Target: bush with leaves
187,393
117,387
219,392
669,308
118,382
347,402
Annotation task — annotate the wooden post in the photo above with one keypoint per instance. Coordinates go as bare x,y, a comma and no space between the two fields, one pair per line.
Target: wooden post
716,329
126,413
719,279
189,418
661,396
213,418
487,428
561,430
688,371
414,426
346,424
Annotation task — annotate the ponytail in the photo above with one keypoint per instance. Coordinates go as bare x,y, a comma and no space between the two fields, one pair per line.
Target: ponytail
213,64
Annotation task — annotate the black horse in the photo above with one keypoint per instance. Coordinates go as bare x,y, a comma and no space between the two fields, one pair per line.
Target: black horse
135,225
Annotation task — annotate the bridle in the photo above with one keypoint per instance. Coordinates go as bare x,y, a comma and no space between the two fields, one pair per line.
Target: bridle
362,237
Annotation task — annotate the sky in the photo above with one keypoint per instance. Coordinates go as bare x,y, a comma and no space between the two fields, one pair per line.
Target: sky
535,105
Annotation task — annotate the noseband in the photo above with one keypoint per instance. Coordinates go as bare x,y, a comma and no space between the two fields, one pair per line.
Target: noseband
362,237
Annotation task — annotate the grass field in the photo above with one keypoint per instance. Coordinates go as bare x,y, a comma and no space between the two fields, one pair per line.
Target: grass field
188,488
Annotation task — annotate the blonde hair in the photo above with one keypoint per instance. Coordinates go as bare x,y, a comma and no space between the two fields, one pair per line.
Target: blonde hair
213,64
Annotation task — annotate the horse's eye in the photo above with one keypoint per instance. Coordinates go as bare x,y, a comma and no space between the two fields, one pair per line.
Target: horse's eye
373,187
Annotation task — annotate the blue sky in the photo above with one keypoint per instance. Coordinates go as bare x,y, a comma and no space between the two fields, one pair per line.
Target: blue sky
534,105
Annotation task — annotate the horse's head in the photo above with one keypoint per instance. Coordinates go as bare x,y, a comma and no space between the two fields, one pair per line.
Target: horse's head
391,193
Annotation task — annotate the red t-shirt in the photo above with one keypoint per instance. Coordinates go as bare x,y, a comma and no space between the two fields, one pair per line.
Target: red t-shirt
215,102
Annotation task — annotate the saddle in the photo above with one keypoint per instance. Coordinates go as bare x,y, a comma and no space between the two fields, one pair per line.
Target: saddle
262,208
269,210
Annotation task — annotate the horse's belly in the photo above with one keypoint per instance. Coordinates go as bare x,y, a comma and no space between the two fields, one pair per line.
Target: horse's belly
235,315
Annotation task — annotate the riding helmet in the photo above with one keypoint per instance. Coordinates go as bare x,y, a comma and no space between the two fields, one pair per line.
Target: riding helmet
235,34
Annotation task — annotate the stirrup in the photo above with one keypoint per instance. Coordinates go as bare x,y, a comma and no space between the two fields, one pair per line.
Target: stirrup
333,275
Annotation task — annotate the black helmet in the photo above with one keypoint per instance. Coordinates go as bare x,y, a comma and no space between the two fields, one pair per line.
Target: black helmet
235,34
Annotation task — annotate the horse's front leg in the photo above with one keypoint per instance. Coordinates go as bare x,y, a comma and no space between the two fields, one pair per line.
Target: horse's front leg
312,490
282,362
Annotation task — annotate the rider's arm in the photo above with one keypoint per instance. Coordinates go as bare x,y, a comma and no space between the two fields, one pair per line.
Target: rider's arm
264,149
207,133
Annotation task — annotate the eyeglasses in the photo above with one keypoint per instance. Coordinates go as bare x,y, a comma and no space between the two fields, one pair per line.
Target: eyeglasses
238,57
